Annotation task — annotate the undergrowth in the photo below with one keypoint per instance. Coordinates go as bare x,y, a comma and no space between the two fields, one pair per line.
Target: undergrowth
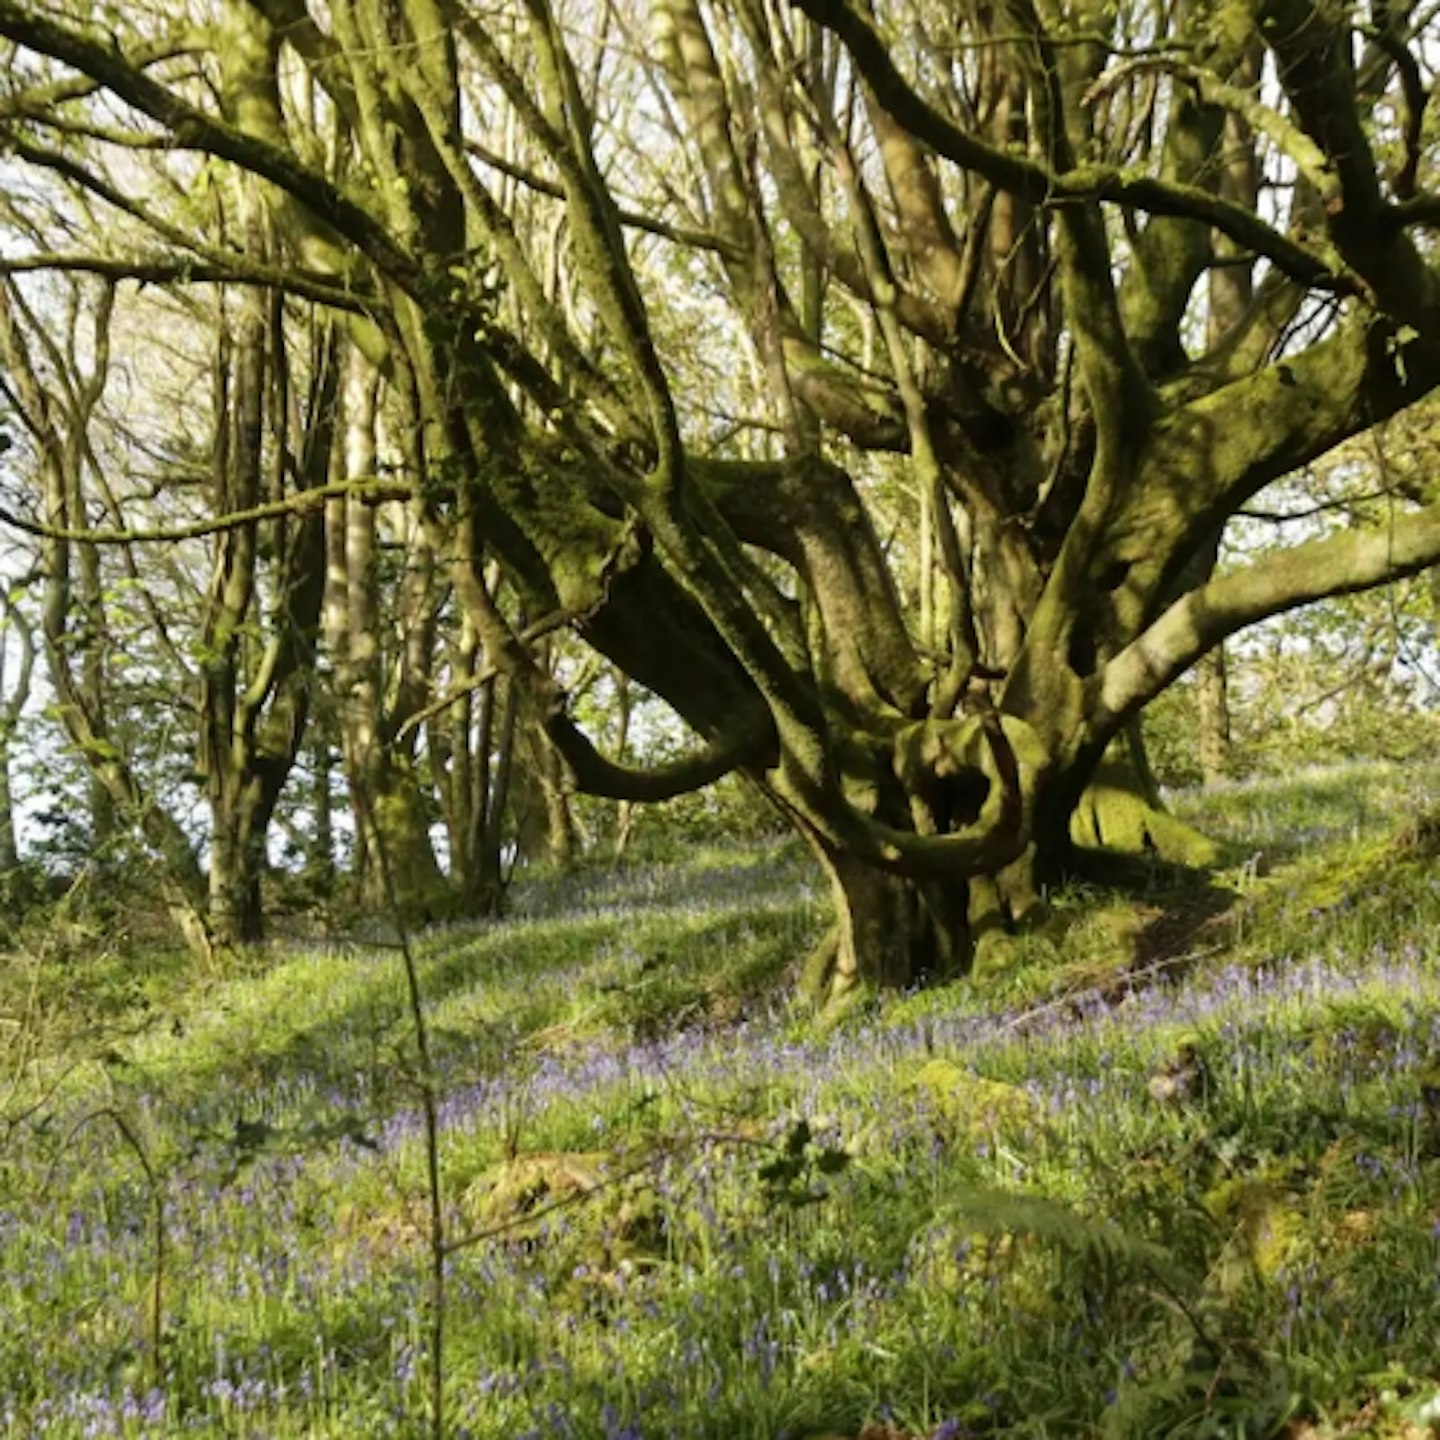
1172,1169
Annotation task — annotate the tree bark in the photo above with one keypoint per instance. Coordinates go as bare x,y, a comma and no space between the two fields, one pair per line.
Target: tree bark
397,838
889,932
485,885
625,809
1117,813
237,862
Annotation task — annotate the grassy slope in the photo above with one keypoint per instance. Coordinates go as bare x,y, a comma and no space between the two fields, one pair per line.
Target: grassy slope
1156,1176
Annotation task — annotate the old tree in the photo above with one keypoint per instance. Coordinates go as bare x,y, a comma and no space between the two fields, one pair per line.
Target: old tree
871,383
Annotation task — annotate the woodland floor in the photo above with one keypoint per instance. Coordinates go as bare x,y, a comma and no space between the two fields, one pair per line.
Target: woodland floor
1171,1166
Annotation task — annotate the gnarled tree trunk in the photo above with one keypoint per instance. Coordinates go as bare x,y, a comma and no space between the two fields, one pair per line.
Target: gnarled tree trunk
889,931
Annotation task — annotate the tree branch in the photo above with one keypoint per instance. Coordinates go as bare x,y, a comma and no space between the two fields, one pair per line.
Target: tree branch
1312,49
293,278
44,100
193,129
999,747
1082,184
596,775
630,218
1338,565
373,492
1288,139
167,271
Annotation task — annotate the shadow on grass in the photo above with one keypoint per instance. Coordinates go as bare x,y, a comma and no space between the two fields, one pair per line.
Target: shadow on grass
655,959
1178,912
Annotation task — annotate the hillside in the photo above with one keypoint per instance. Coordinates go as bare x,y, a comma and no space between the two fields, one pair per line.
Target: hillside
1171,1166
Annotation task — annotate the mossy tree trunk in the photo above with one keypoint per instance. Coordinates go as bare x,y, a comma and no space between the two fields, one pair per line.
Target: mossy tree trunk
1212,685
1121,810
482,877
402,874
889,931
261,625
379,691
470,758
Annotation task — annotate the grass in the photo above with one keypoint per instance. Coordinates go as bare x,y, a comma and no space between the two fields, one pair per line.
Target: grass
1153,1177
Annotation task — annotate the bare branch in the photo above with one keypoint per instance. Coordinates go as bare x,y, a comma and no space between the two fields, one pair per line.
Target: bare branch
192,128
629,217
169,271
1288,138
1082,184
303,502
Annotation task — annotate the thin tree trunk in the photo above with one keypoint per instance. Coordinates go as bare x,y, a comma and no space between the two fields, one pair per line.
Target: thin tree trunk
320,851
9,844
14,696
390,808
237,861
624,809
559,814
490,862
1213,694
1230,293
453,761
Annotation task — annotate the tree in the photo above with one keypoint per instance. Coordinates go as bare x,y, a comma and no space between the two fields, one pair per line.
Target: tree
55,403
913,538
262,608
381,686
17,668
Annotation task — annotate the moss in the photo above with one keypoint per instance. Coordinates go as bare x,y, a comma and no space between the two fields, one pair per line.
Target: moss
610,1219
420,891
1114,815
1373,863
1267,1229
580,547
970,1107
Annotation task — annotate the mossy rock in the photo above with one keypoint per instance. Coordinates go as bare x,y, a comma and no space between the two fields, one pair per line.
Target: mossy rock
1267,1230
609,1218
998,952
956,1260
1108,936
378,1231
971,1106
525,1183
